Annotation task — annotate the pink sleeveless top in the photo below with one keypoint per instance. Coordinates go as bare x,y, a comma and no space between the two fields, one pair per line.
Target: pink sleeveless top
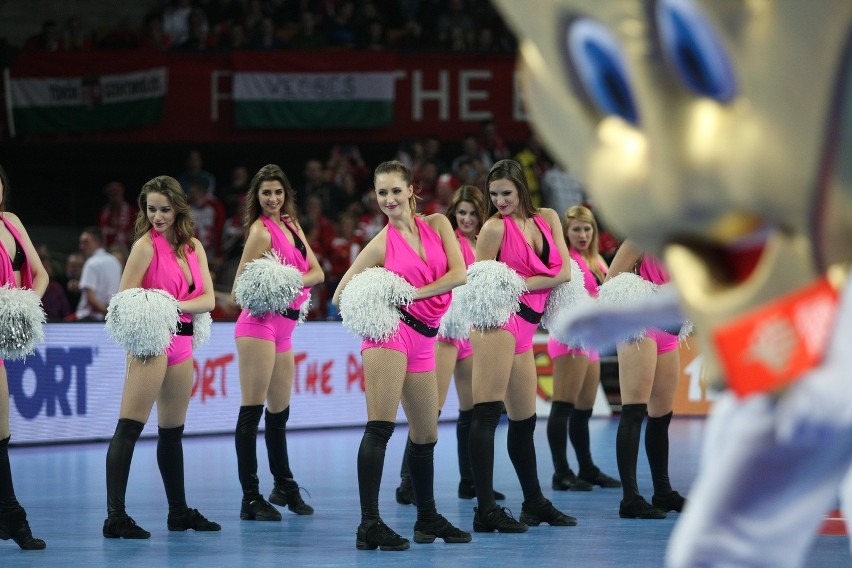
467,252
653,270
403,260
589,280
7,273
164,272
290,253
520,257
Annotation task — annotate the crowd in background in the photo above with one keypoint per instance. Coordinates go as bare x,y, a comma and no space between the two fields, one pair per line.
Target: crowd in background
225,25
338,210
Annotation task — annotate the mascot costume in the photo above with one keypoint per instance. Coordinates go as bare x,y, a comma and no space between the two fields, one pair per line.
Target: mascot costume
717,134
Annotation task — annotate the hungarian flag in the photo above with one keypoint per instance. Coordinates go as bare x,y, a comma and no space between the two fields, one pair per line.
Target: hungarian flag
286,95
61,94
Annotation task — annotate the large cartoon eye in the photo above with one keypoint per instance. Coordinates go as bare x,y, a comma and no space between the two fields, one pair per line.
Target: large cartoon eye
597,64
692,47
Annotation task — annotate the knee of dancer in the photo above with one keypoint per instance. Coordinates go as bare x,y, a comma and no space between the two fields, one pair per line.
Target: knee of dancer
487,413
129,429
379,431
249,419
170,433
633,412
277,418
527,425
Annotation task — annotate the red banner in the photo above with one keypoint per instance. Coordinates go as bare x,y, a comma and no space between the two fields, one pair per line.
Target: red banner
447,95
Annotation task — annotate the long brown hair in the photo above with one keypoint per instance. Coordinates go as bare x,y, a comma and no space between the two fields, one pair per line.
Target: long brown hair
269,172
4,179
184,226
397,167
512,171
471,194
591,255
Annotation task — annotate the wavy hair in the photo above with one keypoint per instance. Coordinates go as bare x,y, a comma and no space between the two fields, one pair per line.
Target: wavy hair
470,194
184,226
269,172
512,171
590,255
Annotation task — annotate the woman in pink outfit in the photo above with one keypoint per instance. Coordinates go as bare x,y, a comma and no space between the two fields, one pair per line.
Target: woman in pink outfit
577,372
20,267
425,252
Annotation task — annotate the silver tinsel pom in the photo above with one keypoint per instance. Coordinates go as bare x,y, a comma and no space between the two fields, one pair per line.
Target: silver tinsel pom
266,285
142,321
21,322
202,327
453,325
686,330
624,290
491,294
304,309
563,300
369,301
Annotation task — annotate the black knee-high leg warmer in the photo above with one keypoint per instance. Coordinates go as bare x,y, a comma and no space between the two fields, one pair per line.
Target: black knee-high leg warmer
118,458
371,462
557,434
486,416
521,445
276,446
170,461
627,446
421,465
462,441
657,450
8,501
578,432
245,438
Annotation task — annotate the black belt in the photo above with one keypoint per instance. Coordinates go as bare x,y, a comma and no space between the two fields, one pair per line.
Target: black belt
528,313
184,328
416,324
291,313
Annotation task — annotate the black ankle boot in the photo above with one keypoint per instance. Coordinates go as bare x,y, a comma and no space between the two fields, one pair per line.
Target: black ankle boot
287,495
14,525
121,525
191,519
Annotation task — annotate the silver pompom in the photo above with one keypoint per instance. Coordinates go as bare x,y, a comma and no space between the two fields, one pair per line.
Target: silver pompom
491,294
624,290
21,322
368,304
202,327
563,300
304,309
143,321
267,284
686,330
453,324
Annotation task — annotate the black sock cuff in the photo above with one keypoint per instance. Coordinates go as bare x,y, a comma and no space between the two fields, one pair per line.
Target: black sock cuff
130,428
633,410
277,418
526,423
175,432
380,429
4,443
585,413
421,450
664,419
249,418
465,415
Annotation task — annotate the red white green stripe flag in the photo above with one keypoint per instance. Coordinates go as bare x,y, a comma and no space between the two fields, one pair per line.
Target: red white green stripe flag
85,102
339,100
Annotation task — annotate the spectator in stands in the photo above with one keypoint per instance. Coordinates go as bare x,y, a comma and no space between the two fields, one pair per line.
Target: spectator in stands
444,189
350,195
100,277
70,279
471,149
346,158
209,216
344,247
340,31
116,217
194,168
317,184
432,151
176,20
233,236
455,25
531,158
233,193
49,39
199,37
560,190
234,38
324,226
154,37
75,38
120,254
54,302
427,180
372,220
307,36
266,37
491,142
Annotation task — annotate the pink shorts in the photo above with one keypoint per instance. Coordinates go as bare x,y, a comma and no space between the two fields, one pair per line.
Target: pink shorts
179,350
419,349
271,327
665,341
556,349
463,346
523,332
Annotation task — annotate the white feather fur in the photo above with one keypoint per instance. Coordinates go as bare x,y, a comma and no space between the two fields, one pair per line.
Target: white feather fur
368,304
453,324
21,322
626,289
142,321
491,294
267,284
202,326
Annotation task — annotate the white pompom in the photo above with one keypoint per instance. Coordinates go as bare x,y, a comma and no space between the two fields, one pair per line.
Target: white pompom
566,296
686,329
368,304
491,294
202,327
624,290
21,322
143,321
267,285
453,324
304,310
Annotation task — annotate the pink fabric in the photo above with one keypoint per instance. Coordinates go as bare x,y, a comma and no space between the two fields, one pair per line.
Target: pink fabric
7,274
665,341
523,331
179,350
467,252
164,272
289,253
401,259
419,349
516,252
271,327
652,270
556,349
463,346
589,280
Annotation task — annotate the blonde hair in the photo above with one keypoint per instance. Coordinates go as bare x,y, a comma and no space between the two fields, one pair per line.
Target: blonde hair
591,255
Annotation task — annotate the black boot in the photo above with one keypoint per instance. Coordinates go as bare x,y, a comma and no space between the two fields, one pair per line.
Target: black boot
578,433
119,455
13,518
486,416
564,478
430,525
286,490
657,450
633,505
405,493
254,507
